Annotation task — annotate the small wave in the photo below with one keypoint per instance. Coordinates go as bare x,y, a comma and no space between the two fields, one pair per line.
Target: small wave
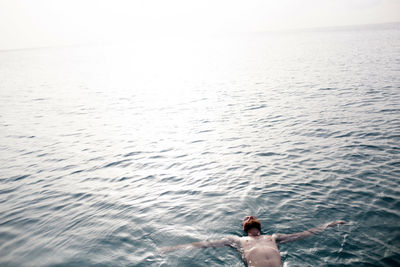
267,154
115,163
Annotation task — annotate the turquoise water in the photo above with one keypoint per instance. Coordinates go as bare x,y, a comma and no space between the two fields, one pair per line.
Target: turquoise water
111,152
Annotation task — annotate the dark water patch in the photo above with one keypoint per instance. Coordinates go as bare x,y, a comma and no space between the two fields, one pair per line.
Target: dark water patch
181,156
18,178
19,221
255,107
75,262
271,174
95,159
267,154
173,165
394,163
67,167
197,141
72,134
78,171
206,131
291,157
393,137
343,135
366,175
157,157
29,152
124,179
172,179
393,110
371,134
233,168
60,207
54,159
81,196
21,136
327,89
181,192
135,153
365,147
115,163
391,260
200,166
166,150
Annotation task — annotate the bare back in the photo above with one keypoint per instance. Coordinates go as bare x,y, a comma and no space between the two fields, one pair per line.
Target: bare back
260,251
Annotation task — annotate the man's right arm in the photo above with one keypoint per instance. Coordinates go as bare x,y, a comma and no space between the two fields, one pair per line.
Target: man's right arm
285,238
229,241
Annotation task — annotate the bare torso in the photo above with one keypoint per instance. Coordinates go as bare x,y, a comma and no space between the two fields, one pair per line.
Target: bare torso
260,251
256,249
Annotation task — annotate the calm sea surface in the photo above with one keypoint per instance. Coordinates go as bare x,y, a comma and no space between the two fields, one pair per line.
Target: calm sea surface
108,153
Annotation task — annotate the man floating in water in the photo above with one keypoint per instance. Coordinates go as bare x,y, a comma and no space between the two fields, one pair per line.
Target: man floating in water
257,249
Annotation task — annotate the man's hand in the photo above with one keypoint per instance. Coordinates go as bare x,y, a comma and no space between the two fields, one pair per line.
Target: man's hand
332,224
168,249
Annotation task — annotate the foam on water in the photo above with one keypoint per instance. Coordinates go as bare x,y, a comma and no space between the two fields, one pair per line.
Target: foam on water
109,153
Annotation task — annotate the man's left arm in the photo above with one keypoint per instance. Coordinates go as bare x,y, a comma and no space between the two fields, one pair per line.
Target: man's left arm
285,238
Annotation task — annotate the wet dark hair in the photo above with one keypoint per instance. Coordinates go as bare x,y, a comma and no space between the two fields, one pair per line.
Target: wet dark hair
252,223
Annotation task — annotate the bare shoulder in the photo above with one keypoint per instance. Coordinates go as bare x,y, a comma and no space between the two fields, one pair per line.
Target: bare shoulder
233,239
275,236
269,238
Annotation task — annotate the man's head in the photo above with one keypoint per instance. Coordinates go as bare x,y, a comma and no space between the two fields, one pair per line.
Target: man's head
250,222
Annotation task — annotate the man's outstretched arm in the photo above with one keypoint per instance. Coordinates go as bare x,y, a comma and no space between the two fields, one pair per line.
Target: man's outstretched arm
230,241
284,238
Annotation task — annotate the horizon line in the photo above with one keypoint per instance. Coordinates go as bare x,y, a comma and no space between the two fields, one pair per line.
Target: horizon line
147,35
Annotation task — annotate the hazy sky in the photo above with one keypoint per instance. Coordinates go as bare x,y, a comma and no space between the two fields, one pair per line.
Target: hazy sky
33,23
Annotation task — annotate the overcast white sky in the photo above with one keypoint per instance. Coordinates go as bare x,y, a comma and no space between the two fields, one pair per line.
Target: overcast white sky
36,23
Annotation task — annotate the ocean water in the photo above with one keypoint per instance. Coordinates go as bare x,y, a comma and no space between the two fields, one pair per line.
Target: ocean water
108,153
